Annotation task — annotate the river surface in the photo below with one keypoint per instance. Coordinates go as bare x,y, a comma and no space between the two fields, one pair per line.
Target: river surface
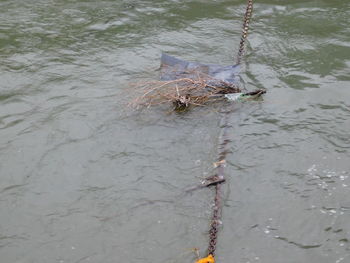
84,178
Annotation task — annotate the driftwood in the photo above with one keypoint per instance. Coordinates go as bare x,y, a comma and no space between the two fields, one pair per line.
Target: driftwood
209,181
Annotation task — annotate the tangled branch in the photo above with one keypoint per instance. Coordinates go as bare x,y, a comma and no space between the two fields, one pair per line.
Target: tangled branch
182,93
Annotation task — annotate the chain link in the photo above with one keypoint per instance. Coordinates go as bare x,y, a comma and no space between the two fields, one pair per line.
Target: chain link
216,216
246,21
223,146
215,223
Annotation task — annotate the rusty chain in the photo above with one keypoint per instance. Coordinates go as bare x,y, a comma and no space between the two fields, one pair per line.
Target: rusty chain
224,145
246,21
215,223
223,151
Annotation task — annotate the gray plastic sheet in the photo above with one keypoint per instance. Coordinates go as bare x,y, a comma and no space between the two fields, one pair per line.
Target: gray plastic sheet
173,68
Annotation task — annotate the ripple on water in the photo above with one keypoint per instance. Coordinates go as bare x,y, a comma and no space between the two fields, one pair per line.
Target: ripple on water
83,179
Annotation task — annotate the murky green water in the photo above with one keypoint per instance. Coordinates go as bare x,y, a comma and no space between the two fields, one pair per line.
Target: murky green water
84,180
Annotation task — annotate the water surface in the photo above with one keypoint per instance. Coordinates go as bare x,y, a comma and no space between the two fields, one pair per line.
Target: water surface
85,179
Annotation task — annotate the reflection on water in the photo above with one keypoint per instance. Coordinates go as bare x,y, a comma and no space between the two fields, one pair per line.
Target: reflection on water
83,179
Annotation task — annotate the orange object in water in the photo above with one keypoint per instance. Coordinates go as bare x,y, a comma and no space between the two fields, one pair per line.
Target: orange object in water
208,259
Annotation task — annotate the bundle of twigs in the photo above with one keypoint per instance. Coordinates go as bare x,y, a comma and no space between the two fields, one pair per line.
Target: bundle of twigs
183,92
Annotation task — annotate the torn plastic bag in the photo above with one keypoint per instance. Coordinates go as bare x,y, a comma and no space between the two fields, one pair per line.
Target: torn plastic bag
220,76
173,68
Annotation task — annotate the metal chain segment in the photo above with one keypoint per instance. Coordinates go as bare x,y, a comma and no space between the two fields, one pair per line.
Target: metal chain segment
223,151
246,21
224,143
215,223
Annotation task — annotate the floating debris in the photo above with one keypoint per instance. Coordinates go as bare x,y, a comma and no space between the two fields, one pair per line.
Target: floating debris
183,92
245,96
197,90
208,259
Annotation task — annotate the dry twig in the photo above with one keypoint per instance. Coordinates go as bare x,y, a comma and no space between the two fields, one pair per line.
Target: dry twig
182,92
